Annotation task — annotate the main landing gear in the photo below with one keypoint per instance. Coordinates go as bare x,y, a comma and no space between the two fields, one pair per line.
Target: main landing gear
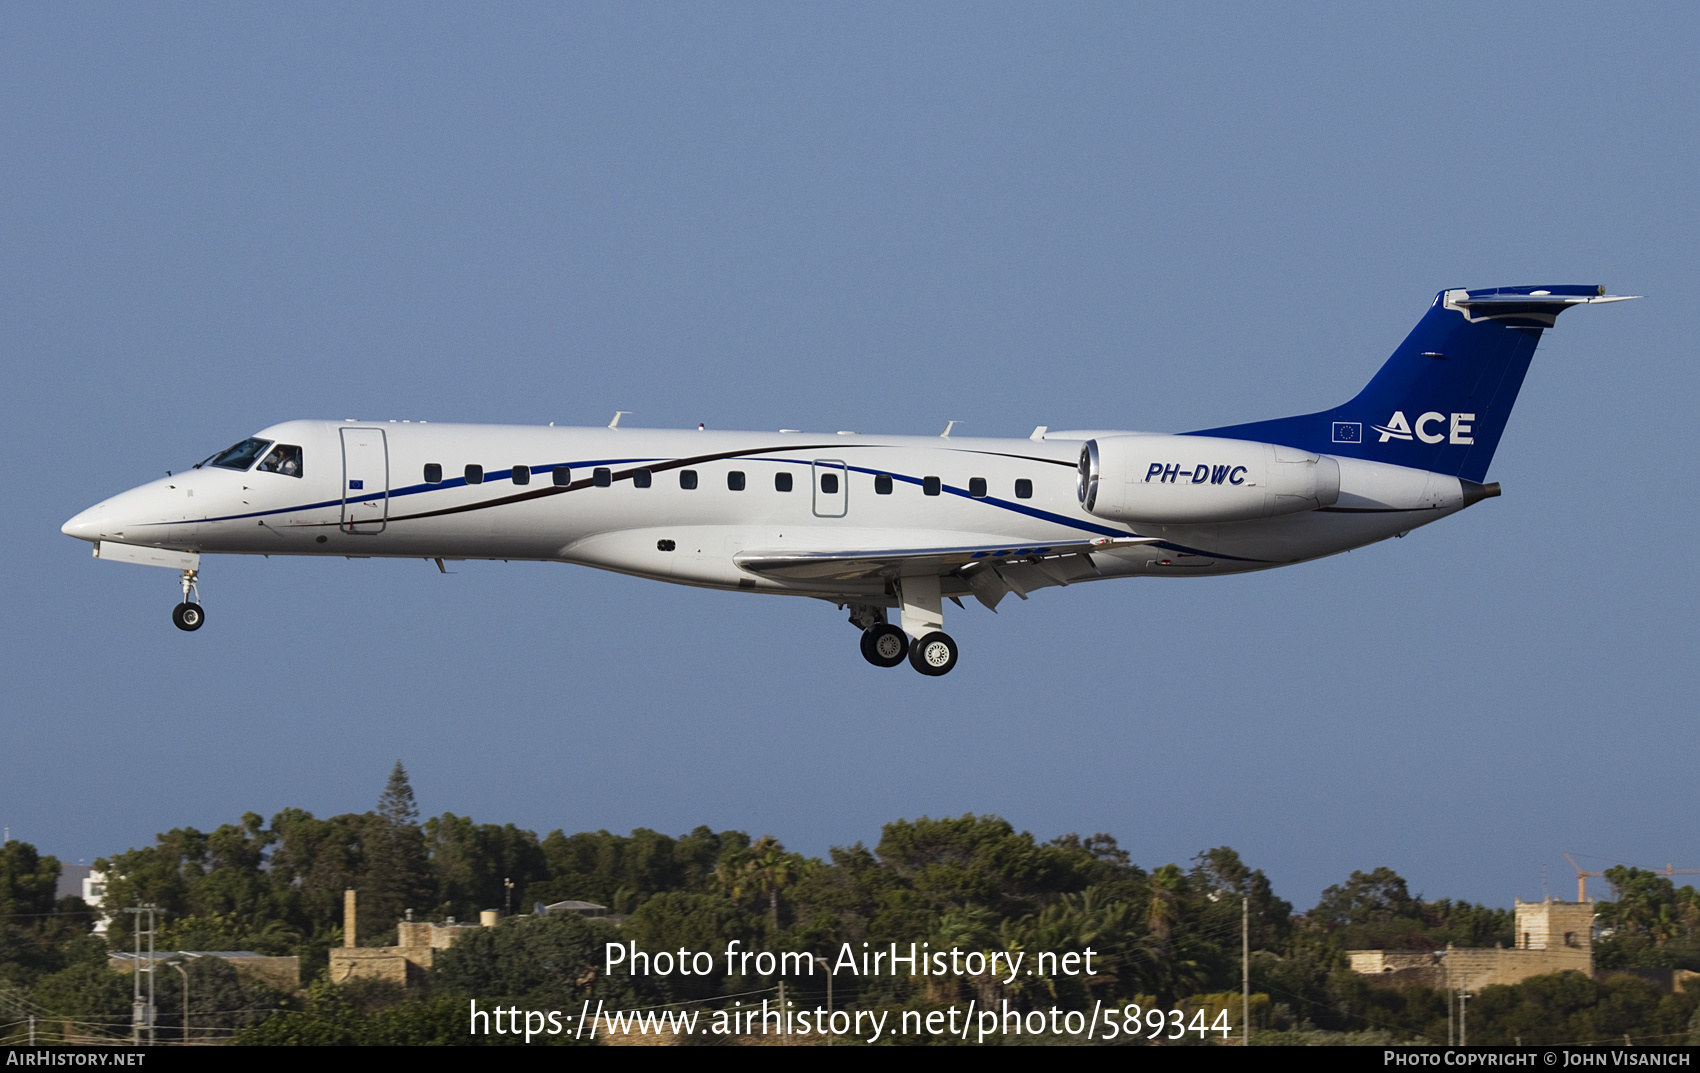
932,652
188,615
884,645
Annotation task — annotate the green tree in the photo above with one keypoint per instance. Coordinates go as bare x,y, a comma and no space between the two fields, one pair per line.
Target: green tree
219,1000
27,881
1570,1007
553,961
86,999
690,920
980,860
1365,898
1373,911
34,924
352,1015
1223,880
157,875
621,872
472,862
397,873
841,901
763,870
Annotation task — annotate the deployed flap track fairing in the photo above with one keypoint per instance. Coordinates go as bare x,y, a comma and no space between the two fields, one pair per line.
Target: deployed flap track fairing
885,526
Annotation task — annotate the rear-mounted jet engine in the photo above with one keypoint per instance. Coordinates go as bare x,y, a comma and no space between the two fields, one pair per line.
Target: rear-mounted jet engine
1185,479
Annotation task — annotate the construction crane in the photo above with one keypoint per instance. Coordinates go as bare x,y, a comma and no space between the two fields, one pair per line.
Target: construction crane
1582,877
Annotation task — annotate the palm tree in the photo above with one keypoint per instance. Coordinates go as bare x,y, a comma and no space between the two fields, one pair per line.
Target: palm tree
1166,884
771,870
762,869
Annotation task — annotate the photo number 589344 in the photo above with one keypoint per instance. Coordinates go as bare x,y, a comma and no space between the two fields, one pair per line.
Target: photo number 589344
1167,1024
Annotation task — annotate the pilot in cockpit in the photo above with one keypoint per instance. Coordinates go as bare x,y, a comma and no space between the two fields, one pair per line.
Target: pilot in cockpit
285,459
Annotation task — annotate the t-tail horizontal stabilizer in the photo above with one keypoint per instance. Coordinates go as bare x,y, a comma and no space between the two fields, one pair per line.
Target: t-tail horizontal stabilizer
1441,402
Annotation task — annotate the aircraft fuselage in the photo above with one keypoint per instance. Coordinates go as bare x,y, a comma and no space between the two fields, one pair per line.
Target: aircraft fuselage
709,496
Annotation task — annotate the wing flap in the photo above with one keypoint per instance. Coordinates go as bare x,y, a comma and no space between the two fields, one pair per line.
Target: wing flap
899,562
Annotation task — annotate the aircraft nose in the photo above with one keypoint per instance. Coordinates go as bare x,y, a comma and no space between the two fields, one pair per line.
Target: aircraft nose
87,525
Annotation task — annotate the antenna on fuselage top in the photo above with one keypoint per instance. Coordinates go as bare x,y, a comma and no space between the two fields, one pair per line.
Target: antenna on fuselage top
948,425
617,415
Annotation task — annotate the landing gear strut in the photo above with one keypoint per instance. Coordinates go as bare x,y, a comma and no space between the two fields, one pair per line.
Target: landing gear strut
932,652
188,615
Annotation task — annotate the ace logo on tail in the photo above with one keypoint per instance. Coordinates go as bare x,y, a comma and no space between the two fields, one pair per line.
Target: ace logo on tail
1397,428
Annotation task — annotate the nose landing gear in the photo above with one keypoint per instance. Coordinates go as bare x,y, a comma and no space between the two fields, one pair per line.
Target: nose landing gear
188,615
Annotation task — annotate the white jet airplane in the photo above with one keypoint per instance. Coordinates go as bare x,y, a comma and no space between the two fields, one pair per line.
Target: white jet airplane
870,523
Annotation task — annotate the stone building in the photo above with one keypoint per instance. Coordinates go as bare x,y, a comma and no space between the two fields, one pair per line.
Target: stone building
277,973
1552,936
417,943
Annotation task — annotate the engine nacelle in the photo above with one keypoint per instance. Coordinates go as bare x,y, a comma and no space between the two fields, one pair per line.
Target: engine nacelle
1201,479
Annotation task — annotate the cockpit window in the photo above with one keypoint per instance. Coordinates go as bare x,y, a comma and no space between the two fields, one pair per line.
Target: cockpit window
285,459
241,455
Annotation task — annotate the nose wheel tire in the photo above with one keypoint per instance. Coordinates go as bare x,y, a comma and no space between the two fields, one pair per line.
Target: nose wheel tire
188,616
884,645
933,653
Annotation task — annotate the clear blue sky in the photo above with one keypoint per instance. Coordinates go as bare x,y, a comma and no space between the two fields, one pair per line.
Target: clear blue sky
873,217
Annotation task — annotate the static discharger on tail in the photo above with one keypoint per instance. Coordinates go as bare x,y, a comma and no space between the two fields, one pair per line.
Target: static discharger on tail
887,527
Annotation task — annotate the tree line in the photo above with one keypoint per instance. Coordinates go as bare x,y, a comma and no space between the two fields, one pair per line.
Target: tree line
1168,936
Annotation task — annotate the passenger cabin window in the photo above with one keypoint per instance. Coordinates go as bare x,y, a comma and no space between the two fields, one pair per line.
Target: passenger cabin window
829,483
931,485
433,473
239,455
782,482
735,480
687,478
1024,489
285,459
642,478
522,474
882,484
475,475
602,476
563,476
977,487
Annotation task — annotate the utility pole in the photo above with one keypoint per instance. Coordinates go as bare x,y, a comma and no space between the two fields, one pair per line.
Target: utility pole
1451,1000
178,965
1464,1018
1245,968
142,1013
828,969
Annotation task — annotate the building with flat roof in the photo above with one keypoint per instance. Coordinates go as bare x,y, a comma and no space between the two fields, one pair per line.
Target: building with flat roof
278,973
1552,936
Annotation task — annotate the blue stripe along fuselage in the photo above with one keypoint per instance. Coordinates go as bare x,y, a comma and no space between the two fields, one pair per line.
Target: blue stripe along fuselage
757,455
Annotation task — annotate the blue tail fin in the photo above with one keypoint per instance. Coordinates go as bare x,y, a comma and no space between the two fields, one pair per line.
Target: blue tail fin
1442,400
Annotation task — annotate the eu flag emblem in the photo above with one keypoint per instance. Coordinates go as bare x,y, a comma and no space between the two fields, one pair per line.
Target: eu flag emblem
1348,432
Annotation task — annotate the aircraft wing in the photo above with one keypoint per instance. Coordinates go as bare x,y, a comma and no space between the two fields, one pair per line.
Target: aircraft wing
898,562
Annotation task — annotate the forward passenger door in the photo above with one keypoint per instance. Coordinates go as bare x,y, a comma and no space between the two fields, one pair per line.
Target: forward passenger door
365,480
